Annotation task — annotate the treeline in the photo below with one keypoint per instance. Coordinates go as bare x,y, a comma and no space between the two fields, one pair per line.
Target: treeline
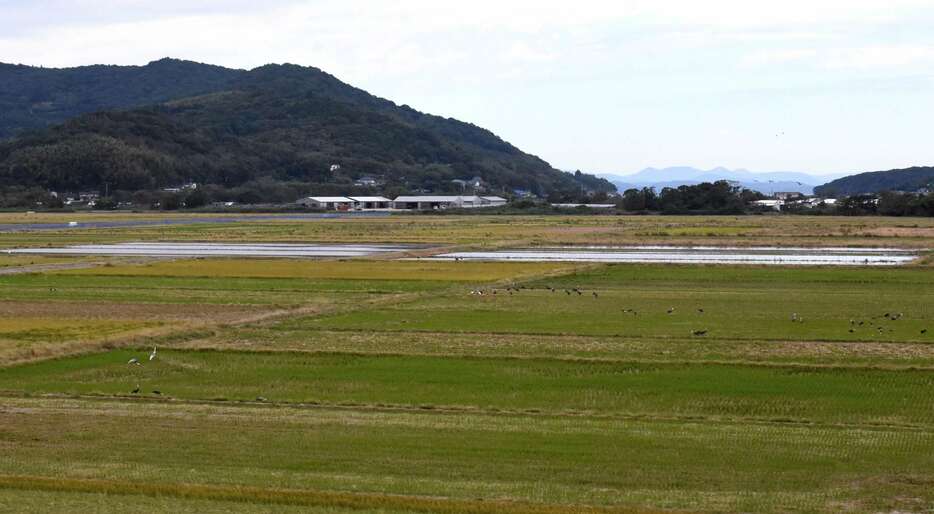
887,204
719,197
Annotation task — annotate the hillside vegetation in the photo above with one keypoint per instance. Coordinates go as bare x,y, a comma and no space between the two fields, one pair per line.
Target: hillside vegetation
910,179
281,123
33,98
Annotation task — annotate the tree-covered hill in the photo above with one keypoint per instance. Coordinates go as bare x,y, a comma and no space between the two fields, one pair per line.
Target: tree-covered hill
279,122
32,98
910,179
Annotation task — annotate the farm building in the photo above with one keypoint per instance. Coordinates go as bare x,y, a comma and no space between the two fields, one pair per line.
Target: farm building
371,203
327,203
427,203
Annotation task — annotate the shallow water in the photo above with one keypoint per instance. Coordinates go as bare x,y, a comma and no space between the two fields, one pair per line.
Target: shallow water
699,255
218,250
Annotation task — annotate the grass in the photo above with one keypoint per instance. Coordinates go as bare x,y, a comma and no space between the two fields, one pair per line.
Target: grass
498,231
465,456
272,337
738,304
27,330
356,270
800,394
390,388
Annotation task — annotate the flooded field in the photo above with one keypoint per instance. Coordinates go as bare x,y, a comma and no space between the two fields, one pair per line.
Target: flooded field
699,255
218,250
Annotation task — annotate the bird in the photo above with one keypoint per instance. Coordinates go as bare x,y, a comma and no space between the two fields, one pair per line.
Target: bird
152,355
700,311
156,391
852,331
595,294
261,399
794,316
134,360
135,391
671,310
924,331
700,332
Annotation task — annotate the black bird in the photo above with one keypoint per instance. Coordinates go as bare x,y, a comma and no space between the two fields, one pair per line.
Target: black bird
135,391
924,331
595,294
671,310
852,331
567,292
700,332
701,311
156,391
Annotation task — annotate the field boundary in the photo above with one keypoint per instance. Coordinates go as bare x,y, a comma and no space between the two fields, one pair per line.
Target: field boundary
299,497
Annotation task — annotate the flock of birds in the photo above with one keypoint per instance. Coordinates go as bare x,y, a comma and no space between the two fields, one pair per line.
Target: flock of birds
795,318
136,362
510,290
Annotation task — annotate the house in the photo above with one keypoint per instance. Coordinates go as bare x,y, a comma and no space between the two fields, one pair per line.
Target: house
475,184
191,186
371,203
367,182
788,195
770,204
327,203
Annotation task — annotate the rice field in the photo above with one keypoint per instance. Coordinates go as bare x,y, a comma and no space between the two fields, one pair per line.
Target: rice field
489,232
382,385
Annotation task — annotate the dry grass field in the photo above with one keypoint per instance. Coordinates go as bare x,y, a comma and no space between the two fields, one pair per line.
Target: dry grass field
503,231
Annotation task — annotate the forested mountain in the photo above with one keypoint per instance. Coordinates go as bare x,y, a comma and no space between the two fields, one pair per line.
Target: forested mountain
277,122
32,97
910,179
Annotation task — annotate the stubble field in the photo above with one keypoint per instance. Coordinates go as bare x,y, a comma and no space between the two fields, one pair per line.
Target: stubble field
396,386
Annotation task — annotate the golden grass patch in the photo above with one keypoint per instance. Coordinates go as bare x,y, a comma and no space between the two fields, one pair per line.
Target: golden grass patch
334,270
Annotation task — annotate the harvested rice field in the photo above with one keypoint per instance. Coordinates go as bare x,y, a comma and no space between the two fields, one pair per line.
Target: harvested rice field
395,383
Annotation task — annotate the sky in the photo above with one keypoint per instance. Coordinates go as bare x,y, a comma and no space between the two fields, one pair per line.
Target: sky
820,86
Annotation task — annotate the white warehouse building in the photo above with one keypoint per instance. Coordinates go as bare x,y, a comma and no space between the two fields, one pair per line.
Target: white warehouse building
427,203
327,203
342,203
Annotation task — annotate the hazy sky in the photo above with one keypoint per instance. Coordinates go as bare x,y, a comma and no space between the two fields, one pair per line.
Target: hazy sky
612,86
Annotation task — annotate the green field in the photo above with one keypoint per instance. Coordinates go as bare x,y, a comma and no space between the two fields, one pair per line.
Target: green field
372,385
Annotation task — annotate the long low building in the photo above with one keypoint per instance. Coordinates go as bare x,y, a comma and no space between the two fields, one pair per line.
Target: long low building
342,203
428,202
327,203
371,203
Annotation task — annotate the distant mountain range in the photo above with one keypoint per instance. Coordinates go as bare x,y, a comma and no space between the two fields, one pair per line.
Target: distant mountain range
133,128
767,183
